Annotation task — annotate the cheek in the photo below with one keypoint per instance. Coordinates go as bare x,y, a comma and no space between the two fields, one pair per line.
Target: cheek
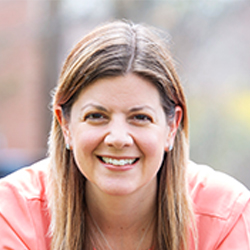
84,142
153,153
85,138
153,145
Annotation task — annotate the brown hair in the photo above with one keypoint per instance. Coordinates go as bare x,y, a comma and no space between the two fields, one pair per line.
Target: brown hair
115,49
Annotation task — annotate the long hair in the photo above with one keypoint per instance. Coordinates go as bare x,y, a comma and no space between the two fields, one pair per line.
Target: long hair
116,49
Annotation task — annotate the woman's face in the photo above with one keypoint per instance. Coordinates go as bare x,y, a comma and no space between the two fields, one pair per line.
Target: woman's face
118,133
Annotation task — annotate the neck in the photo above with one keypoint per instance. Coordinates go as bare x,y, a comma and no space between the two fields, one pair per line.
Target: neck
124,210
123,220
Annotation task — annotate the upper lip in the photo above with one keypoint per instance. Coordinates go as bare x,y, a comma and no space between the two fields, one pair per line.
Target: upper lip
118,161
118,157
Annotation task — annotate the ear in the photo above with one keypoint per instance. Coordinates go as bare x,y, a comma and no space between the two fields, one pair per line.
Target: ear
173,127
64,123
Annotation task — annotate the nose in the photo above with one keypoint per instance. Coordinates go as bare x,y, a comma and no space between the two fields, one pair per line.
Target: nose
118,135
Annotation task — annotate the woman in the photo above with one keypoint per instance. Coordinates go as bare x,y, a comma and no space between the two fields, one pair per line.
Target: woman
118,174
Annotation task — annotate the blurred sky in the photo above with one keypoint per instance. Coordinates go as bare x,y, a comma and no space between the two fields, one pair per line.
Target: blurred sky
210,41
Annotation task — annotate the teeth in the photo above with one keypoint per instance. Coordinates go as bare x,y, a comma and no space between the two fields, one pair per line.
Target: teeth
117,162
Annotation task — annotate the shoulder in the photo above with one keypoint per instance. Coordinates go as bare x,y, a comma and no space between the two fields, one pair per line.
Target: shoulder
215,193
29,182
24,214
219,203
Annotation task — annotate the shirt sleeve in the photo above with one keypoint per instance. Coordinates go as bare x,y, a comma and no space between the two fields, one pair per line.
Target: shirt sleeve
16,225
239,236
24,215
9,237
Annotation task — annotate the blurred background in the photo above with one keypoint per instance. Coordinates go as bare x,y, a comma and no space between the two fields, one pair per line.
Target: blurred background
210,41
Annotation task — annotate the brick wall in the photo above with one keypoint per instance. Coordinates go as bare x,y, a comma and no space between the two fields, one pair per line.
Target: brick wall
21,87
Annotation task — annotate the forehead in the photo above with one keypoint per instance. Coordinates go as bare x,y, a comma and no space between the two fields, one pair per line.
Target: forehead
130,88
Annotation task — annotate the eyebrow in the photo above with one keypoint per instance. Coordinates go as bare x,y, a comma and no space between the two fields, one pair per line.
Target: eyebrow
134,109
99,107
139,108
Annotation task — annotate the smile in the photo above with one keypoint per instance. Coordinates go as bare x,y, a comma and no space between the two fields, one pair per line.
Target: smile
118,162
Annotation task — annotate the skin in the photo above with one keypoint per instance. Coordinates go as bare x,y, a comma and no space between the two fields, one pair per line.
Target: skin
120,118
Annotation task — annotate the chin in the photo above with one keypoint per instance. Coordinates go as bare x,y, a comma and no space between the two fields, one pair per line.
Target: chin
118,190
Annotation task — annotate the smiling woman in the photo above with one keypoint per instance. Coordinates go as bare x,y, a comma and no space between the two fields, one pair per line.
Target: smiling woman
110,131
118,174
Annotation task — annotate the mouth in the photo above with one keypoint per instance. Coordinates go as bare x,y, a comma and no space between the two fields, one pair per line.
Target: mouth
118,162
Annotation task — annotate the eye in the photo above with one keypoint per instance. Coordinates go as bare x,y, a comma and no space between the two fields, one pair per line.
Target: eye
141,119
95,117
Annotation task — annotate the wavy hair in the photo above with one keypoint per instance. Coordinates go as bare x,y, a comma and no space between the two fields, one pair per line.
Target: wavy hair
116,49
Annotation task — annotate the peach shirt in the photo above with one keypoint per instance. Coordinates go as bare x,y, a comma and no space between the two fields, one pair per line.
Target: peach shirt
221,204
